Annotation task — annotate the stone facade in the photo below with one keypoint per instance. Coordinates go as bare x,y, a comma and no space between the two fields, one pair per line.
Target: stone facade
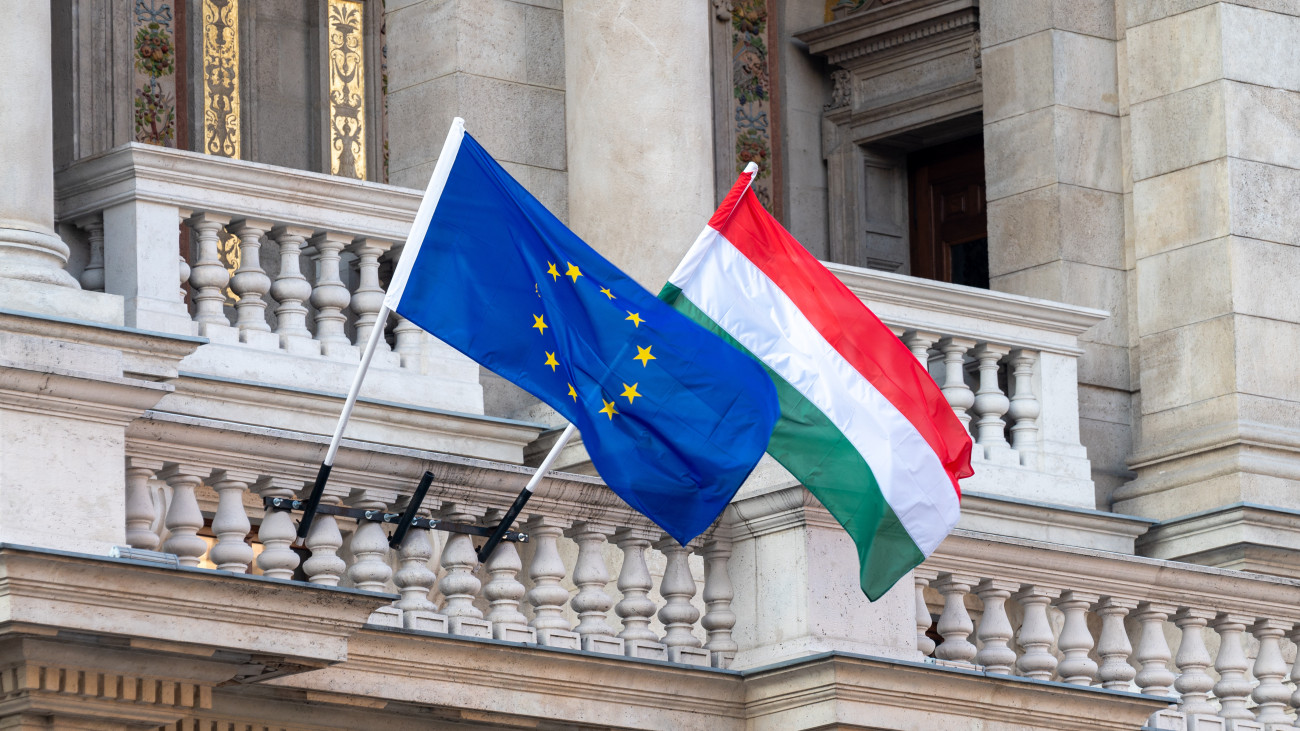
179,321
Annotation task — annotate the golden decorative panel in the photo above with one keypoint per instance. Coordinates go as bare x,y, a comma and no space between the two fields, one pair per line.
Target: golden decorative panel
347,89
230,253
221,123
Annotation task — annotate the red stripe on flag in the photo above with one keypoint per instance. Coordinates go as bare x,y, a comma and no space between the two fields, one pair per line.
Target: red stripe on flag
847,324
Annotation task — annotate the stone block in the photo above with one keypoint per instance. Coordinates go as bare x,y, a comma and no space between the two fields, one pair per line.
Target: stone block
1019,153
513,121
1084,72
515,633
544,46
603,644
1168,718
421,36
1018,76
1105,365
1166,301
1258,190
723,660
1175,53
1024,230
1262,123
470,627
645,650
56,301
1178,130
561,638
1141,12
1205,722
260,339
422,621
1259,271
1005,21
1199,194
418,118
1088,149
1265,357
1191,363
1261,47
490,40
697,656
388,616
1092,226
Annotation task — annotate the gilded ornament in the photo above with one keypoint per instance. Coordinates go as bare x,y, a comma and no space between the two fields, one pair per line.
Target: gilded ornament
221,109
347,94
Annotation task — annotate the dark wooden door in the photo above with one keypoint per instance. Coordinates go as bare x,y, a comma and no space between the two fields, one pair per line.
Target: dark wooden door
949,224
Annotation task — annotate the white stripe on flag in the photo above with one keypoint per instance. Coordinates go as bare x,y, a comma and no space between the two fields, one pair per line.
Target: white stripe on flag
745,302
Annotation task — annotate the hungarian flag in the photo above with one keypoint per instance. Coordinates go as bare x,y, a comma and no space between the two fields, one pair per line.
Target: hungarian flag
862,426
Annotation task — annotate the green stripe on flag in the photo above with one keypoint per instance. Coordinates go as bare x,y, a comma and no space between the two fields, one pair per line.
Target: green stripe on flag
817,453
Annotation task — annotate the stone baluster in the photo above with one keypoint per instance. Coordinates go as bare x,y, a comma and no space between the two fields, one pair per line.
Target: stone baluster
140,510
1294,636
330,295
184,518
1113,645
1153,655
504,591
1075,641
1270,694
1193,683
990,402
995,631
678,614
548,596
1035,635
459,585
250,281
230,524
921,578
718,618
1024,407
636,608
277,531
370,570
920,342
414,580
409,342
959,395
590,575
1233,687
209,276
92,276
369,296
183,272
324,539
291,289
955,625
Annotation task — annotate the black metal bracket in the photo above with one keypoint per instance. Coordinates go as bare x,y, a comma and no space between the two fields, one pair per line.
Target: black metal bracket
403,520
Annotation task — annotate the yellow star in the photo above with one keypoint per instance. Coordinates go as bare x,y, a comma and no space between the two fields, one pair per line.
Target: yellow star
551,270
643,355
635,317
550,361
540,324
630,391
573,272
609,409
573,393
605,291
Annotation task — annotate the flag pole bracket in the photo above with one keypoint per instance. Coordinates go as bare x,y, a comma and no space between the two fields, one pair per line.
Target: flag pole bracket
381,516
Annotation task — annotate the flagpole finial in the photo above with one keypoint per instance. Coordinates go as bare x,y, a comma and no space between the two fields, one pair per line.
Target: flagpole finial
751,167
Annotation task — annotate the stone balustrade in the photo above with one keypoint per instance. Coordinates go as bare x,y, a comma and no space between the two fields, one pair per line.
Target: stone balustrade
185,498
279,269
1222,645
1009,368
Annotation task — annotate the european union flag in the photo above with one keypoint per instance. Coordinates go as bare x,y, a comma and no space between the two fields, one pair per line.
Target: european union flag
673,417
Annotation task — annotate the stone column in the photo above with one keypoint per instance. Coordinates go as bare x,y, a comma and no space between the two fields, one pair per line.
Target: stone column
640,128
1215,94
1054,166
29,248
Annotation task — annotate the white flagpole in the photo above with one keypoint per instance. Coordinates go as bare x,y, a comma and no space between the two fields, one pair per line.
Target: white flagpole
526,493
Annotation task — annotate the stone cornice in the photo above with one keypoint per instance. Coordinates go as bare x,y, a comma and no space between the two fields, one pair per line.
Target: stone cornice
145,354
944,308
844,689
247,189
888,26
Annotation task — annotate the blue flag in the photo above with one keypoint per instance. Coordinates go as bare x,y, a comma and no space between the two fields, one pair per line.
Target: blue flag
673,417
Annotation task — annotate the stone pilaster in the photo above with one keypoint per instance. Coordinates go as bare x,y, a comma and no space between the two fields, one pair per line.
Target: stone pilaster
1052,137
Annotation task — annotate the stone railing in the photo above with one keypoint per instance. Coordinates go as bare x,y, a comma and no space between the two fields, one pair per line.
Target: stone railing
178,471
1009,368
1212,640
282,274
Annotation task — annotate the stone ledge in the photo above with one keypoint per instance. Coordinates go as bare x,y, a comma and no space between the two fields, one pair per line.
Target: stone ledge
1243,536
1069,526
